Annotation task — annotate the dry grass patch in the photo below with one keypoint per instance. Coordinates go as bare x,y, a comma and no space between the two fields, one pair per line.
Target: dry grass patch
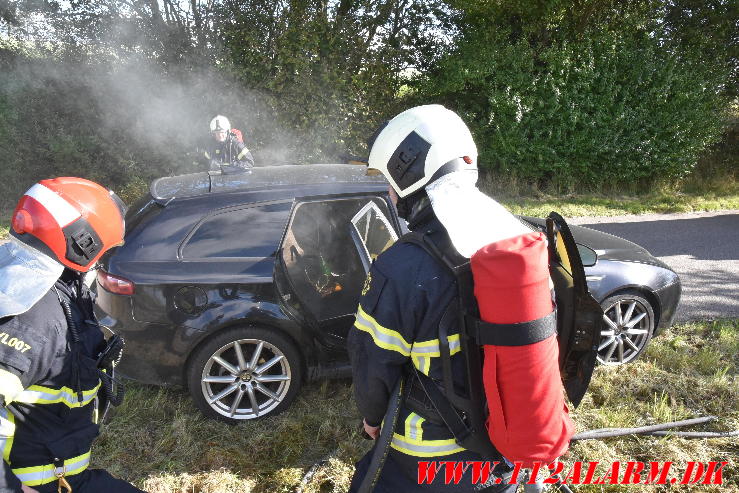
158,439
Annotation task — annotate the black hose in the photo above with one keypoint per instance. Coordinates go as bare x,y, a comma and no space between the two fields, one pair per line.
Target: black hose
382,444
76,341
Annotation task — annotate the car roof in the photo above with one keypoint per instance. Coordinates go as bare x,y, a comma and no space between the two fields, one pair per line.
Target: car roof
266,177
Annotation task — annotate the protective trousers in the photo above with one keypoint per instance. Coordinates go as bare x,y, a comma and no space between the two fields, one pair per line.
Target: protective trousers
91,481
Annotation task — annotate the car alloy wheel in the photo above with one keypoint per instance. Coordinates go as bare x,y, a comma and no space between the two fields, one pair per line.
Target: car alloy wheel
628,326
245,374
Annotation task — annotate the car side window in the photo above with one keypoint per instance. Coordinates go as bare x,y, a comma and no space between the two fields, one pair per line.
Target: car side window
373,229
253,231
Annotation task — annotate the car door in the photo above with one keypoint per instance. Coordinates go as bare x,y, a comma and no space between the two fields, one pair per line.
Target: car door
325,254
579,315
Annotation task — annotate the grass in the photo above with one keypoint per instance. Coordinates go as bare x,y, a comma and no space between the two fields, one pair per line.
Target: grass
591,205
158,440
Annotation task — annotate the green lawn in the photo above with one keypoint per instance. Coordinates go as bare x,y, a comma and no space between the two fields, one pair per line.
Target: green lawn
582,205
159,440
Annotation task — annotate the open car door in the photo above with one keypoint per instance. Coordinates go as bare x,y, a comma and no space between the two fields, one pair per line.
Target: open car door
326,250
579,315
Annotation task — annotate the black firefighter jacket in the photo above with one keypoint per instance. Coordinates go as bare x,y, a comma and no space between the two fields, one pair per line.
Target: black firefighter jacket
404,298
229,156
47,407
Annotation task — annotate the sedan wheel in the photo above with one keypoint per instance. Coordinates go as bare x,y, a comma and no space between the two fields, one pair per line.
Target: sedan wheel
245,373
628,326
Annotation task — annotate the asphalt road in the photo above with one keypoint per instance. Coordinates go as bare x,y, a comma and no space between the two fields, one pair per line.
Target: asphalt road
703,248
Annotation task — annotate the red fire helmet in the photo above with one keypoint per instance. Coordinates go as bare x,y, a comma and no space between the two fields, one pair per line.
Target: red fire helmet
70,219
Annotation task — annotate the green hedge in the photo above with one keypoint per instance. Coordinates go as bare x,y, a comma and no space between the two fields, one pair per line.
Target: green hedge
610,108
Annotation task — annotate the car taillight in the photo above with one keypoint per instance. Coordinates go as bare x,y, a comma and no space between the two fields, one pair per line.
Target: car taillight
115,284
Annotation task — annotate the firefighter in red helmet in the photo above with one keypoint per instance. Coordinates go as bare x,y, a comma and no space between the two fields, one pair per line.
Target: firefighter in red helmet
53,356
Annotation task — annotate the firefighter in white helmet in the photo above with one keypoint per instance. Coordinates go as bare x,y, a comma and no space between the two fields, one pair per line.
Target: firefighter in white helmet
429,158
225,150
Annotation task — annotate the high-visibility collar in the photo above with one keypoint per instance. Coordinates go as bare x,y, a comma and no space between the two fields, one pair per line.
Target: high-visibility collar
37,475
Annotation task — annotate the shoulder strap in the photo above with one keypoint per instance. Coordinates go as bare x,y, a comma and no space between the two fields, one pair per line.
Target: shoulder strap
463,412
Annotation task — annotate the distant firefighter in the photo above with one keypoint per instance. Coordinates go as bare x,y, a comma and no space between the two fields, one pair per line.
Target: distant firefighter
226,151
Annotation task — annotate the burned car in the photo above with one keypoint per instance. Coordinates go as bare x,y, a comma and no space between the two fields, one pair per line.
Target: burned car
243,287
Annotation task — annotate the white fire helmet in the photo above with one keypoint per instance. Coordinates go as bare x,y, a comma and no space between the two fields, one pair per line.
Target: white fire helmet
220,123
420,145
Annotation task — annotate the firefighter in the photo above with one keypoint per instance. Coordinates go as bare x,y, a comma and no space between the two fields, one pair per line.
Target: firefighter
225,151
51,346
429,158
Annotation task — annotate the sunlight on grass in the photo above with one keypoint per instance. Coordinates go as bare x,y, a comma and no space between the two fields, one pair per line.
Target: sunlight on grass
159,440
578,206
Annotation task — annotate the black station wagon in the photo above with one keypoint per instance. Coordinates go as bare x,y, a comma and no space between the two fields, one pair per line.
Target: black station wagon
242,287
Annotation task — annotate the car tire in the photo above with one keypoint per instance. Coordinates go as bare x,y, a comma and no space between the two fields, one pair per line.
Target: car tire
228,386
628,327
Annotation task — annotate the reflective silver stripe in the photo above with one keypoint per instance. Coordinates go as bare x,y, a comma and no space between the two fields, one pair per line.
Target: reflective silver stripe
383,337
425,448
413,427
422,363
431,348
36,394
242,153
36,475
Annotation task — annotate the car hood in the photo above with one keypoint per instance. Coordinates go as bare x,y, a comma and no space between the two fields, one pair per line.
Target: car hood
607,246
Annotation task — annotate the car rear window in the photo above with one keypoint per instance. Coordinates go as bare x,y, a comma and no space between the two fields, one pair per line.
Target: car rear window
252,231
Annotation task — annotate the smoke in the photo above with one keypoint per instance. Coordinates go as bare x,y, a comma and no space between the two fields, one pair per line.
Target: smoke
133,119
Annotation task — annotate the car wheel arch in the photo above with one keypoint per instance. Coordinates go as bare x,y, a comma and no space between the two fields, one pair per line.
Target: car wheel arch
628,325
644,291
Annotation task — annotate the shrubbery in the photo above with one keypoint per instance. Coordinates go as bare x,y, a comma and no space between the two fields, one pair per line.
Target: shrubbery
600,96
609,107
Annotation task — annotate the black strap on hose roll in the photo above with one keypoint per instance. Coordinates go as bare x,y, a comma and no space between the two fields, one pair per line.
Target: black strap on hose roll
518,334
382,444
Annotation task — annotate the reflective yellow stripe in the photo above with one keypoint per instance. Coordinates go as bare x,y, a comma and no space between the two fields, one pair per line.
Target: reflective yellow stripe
414,426
10,385
422,352
207,156
424,448
36,475
7,431
36,394
242,153
383,337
